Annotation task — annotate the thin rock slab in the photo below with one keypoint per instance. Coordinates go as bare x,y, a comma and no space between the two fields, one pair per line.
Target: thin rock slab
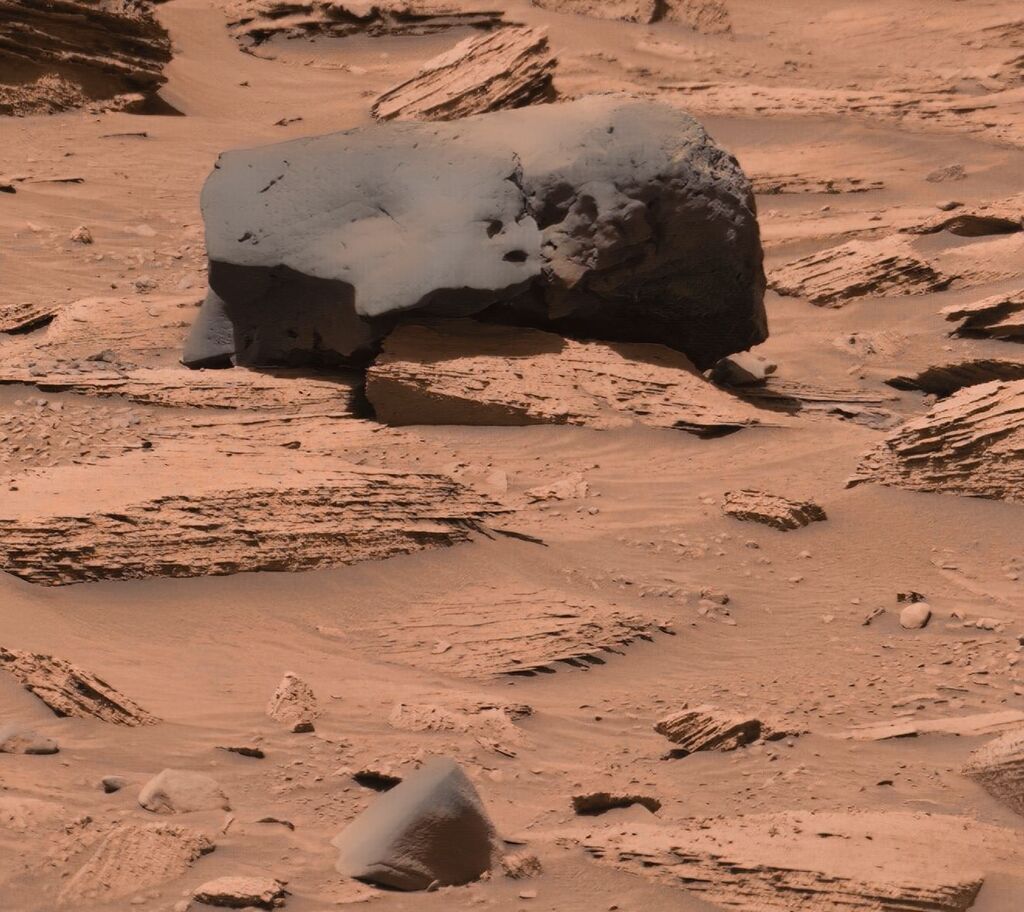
132,858
945,379
182,792
998,767
242,893
1002,217
832,277
971,443
780,184
710,17
872,861
507,68
294,704
25,316
465,372
964,726
606,217
707,728
70,691
1000,316
432,828
480,633
771,510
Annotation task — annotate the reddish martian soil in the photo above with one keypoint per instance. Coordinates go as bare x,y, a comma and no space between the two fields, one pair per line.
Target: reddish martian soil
505,619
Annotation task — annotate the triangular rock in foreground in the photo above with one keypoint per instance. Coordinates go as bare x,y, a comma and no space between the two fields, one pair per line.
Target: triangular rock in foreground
430,829
998,767
507,68
70,691
131,858
294,704
464,372
971,443
771,510
858,269
832,862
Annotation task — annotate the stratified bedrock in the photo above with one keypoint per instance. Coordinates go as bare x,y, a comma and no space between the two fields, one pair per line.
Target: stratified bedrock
608,217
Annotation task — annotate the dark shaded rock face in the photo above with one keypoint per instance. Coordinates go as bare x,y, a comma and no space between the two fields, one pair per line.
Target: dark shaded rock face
607,218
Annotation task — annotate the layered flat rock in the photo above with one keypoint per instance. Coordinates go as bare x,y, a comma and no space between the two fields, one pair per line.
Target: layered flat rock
255,22
707,728
242,893
779,184
971,443
964,726
607,217
481,633
1000,316
847,403
432,828
946,379
771,510
214,513
998,767
61,54
1002,217
710,17
70,691
506,68
23,316
132,858
874,861
463,372
859,269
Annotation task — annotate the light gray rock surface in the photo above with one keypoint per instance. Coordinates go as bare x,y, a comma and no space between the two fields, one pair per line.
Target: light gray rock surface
181,792
432,827
608,217
18,739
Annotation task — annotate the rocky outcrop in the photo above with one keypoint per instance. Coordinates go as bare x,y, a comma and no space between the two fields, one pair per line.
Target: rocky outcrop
946,379
771,510
707,728
182,792
24,316
431,829
1000,316
998,767
507,68
71,692
592,804
463,372
294,704
61,54
971,443
778,184
242,893
132,858
480,633
255,22
896,862
1002,217
607,217
708,16
858,269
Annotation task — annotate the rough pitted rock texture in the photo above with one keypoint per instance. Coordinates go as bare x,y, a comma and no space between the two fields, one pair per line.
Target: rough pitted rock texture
771,510
254,22
946,379
182,792
61,54
132,858
432,827
778,184
607,217
971,443
464,372
998,767
708,16
705,728
788,862
70,691
507,68
480,633
1000,316
294,704
242,893
337,518
858,269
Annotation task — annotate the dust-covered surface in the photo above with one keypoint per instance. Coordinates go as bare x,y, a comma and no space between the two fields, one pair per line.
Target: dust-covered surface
769,664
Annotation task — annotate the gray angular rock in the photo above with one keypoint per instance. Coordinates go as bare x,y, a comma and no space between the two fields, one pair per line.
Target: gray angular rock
181,792
17,739
432,828
608,217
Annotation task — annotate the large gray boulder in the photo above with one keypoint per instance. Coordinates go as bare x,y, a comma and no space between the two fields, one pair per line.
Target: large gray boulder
607,217
431,828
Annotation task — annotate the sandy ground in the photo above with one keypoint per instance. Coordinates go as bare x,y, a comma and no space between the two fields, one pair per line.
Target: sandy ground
205,654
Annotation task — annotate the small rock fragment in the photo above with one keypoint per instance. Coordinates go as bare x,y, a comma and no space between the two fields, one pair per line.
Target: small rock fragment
708,728
17,739
81,235
294,704
521,865
915,616
111,784
743,369
771,510
242,893
594,803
